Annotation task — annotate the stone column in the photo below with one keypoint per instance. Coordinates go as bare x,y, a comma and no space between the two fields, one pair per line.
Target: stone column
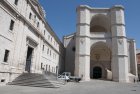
119,45
133,61
82,55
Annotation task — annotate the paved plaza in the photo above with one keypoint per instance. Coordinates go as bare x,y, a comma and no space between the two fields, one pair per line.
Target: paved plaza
91,87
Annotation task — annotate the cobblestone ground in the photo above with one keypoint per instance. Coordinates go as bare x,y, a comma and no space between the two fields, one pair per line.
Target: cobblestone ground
91,87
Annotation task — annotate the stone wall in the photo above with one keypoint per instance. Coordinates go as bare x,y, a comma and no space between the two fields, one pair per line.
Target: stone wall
30,29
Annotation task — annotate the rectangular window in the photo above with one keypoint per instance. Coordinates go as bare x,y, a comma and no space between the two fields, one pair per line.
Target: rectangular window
49,68
2,80
11,25
44,32
6,55
48,37
35,20
37,24
35,17
43,48
30,15
16,2
48,51
51,39
46,67
41,65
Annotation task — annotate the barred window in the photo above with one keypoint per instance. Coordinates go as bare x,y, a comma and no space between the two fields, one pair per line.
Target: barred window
6,55
30,15
16,2
11,25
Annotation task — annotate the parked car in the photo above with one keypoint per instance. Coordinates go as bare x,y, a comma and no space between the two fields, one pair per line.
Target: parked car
64,76
67,77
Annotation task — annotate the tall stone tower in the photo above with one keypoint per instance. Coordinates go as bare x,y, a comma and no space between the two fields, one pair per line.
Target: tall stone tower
119,45
101,30
82,60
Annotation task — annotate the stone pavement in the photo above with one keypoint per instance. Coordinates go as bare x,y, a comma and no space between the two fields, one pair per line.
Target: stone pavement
91,87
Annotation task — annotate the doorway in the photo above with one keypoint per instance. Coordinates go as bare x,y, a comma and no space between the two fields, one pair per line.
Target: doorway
97,73
28,59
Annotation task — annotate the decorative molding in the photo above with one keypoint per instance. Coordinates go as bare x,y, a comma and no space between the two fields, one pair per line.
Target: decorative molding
82,24
120,37
82,55
31,42
94,37
118,24
90,8
120,55
6,38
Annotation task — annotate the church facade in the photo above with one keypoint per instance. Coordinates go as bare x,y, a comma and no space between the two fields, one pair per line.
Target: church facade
100,49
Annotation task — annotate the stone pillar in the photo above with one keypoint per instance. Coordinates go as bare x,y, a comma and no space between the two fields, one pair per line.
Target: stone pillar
133,61
119,45
82,60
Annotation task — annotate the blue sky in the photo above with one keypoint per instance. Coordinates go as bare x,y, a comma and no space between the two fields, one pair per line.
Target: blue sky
61,15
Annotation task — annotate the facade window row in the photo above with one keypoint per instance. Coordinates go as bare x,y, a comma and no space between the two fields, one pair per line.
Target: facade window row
50,38
49,52
34,19
48,68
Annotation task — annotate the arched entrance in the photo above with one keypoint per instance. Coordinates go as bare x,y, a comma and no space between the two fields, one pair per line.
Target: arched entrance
97,72
100,61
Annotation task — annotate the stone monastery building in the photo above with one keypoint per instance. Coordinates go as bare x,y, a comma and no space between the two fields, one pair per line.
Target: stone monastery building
98,50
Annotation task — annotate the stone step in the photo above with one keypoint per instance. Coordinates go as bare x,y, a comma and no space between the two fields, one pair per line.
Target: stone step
25,77
31,78
40,84
37,80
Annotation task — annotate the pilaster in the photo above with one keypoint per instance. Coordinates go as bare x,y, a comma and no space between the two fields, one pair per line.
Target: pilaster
119,45
82,60
133,61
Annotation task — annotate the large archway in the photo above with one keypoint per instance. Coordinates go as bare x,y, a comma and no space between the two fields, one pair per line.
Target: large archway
100,61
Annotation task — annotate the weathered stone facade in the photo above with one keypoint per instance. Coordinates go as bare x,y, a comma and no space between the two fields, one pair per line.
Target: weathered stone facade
138,62
28,43
100,48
